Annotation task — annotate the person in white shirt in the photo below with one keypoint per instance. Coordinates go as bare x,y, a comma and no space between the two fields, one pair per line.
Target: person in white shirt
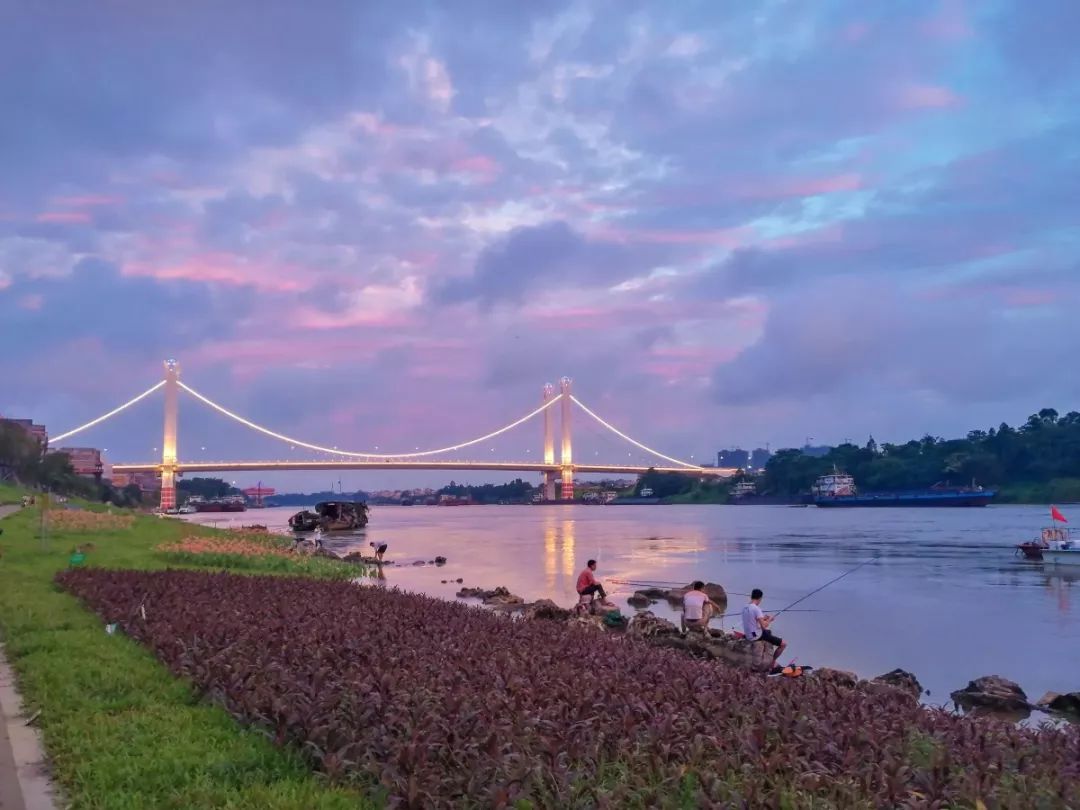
756,624
697,607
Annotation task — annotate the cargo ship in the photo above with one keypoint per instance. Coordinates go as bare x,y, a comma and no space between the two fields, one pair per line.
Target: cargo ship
838,490
232,504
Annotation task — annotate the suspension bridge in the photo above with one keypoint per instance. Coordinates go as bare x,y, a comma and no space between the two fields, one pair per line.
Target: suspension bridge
551,469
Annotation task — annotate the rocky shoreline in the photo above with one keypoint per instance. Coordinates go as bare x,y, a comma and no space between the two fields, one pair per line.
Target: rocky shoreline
989,695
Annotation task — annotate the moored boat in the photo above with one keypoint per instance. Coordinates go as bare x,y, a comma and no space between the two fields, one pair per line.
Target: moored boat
331,516
838,490
1036,549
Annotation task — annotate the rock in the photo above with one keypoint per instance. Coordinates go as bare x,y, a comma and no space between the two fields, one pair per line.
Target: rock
838,676
546,609
1068,703
654,593
992,692
443,581
901,680
495,596
419,562
503,599
459,580
322,552
714,591
430,562
639,600
588,620
354,557
646,625
440,560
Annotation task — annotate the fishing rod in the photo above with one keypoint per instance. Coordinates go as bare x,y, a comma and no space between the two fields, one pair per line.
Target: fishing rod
664,584
823,587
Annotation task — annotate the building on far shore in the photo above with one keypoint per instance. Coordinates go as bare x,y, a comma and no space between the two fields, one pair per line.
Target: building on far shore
86,461
147,482
32,429
736,457
744,460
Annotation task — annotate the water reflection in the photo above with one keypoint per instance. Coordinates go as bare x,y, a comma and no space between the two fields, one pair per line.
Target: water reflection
944,597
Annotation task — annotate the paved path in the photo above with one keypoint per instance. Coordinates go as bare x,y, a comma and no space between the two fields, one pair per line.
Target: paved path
24,777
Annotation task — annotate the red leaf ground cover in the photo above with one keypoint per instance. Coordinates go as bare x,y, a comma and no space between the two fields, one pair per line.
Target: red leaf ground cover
437,704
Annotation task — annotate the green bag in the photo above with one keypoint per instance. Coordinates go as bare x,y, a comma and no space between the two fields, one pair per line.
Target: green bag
78,558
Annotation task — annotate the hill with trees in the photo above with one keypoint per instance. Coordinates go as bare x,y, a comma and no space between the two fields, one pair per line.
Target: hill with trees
1037,462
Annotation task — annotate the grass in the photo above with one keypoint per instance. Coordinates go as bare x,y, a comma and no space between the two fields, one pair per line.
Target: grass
9,493
120,730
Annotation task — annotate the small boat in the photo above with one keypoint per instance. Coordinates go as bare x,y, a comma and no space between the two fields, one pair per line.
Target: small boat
331,516
1036,549
1063,549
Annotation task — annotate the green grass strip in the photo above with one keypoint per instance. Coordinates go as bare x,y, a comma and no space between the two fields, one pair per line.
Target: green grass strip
121,731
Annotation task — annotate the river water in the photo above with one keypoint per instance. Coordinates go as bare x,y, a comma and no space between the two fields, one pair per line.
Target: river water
943,597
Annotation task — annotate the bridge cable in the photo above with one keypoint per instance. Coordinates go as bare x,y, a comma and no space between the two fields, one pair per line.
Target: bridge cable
634,442
103,417
351,454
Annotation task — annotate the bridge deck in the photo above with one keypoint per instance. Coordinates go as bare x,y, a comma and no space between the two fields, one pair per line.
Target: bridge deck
497,466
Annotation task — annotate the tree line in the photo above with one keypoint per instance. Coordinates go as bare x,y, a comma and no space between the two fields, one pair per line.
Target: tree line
1037,461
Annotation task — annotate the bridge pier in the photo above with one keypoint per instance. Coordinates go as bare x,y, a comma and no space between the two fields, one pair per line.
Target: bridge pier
548,476
566,456
168,441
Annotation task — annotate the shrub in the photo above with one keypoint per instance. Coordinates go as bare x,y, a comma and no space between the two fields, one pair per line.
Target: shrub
437,704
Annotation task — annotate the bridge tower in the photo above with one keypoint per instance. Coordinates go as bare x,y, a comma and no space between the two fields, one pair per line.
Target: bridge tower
549,444
566,459
168,441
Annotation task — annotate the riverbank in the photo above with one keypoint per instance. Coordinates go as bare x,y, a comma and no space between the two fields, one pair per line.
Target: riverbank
119,729
443,704
123,731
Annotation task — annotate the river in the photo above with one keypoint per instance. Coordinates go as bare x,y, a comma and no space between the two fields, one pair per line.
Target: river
944,596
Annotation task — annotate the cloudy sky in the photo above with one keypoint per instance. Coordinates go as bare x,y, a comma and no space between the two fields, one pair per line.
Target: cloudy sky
388,224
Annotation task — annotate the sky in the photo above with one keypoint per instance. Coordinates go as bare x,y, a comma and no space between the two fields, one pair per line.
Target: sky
388,225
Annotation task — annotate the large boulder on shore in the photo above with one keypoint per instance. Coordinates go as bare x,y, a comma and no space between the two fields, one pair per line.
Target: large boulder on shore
902,680
639,600
714,591
992,692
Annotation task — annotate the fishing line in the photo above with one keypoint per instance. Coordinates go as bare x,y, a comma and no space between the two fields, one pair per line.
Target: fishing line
826,585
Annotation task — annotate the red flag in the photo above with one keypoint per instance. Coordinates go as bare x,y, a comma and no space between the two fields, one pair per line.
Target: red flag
1056,515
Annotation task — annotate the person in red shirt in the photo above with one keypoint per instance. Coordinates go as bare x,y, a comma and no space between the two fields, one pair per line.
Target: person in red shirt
587,584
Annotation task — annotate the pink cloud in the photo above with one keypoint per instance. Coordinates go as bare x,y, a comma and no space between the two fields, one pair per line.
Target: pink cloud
31,302
310,318
928,96
63,216
479,165
87,200
722,237
785,188
224,268
1024,297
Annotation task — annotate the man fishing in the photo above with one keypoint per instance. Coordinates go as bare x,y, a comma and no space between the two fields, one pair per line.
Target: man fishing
756,624
698,608
587,584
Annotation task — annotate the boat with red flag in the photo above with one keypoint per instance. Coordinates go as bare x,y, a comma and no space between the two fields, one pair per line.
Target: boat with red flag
1054,538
